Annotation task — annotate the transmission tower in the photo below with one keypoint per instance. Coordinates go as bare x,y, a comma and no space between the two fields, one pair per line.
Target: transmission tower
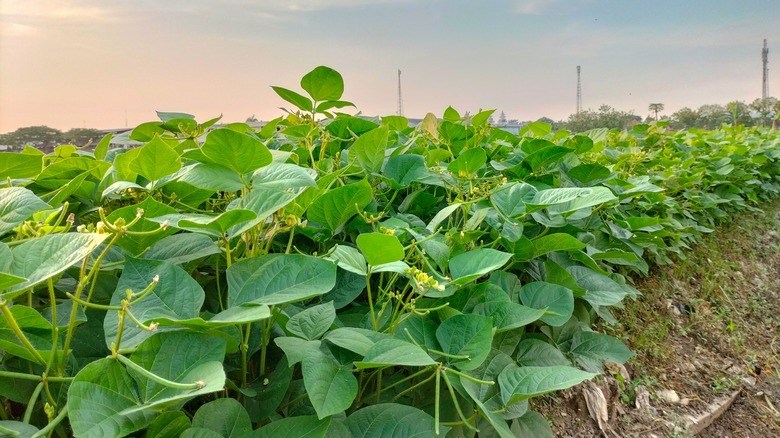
765,59
579,91
400,98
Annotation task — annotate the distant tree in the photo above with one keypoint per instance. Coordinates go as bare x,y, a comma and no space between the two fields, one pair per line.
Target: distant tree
739,113
252,119
82,136
37,136
605,117
656,108
764,110
491,121
685,118
513,121
548,120
502,118
712,116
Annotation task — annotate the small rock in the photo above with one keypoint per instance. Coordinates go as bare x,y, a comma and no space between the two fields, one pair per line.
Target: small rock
749,380
687,366
685,401
668,395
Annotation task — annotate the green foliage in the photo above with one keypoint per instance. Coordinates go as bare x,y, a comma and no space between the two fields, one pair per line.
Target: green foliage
332,275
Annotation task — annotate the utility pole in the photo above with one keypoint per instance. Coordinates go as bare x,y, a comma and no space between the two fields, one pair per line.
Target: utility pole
765,59
579,91
400,98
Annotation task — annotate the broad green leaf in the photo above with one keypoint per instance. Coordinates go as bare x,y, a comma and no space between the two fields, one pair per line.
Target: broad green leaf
599,195
545,156
531,425
216,226
537,353
236,151
353,339
177,296
226,416
17,204
508,315
331,387
392,420
557,300
146,131
451,114
295,427
442,215
8,280
601,347
282,176
271,389
481,117
301,102
323,83
510,200
200,432
295,348
168,425
182,248
155,160
101,150
406,169
264,202
105,399
166,116
601,290
588,173
469,266
518,384
40,259
311,323
325,106
555,196
380,248
210,176
338,205
467,335
15,165
279,278
390,351
421,330
368,151
556,242
20,429
468,163
350,259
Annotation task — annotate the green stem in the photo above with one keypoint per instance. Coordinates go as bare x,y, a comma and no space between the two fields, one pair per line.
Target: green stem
438,399
50,427
374,322
120,329
92,305
415,386
290,241
451,356
244,348
455,402
11,321
155,378
473,379
8,432
140,324
25,376
406,379
31,404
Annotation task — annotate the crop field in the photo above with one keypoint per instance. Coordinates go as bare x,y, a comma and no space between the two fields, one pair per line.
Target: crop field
341,276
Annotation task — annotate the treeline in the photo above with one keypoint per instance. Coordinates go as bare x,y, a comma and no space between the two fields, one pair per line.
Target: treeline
44,137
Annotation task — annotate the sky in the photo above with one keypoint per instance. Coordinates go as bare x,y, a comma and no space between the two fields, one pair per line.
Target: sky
111,63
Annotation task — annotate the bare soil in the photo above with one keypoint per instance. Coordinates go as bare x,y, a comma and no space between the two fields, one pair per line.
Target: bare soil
706,328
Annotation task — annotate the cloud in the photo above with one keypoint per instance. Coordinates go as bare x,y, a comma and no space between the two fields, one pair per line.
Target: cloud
16,11
532,7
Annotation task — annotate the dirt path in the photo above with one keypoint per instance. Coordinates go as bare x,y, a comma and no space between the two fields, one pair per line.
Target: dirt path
706,330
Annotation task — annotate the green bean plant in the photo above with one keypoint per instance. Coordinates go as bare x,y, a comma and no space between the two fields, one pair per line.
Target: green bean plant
337,275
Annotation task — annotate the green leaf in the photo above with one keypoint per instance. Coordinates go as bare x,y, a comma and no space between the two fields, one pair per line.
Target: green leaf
556,242
182,248
167,116
466,335
468,163
168,425
392,420
469,266
215,226
146,131
312,322
40,259
481,117
236,151
105,399
264,202
17,204
510,200
588,173
508,315
421,329
22,430
331,387
283,176
301,102
380,248
210,176
14,165
338,205
532,425
8,280
443,214
324,106
368,151
537,353
406,169
279,278
101,150
295,348
177,296
451,114
557,300
271,389
200,432
35,327
518,384
390,351
155,160
229,317
294,427
353,339
226,416
323,83
601,347
601,290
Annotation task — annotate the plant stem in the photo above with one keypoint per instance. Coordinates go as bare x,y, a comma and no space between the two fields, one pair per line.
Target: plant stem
19,333
50,427
374,322
25,376
436,403
455,402
244,348
473,379
31,404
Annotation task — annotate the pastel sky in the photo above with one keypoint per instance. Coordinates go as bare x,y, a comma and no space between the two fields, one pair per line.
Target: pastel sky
89,62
